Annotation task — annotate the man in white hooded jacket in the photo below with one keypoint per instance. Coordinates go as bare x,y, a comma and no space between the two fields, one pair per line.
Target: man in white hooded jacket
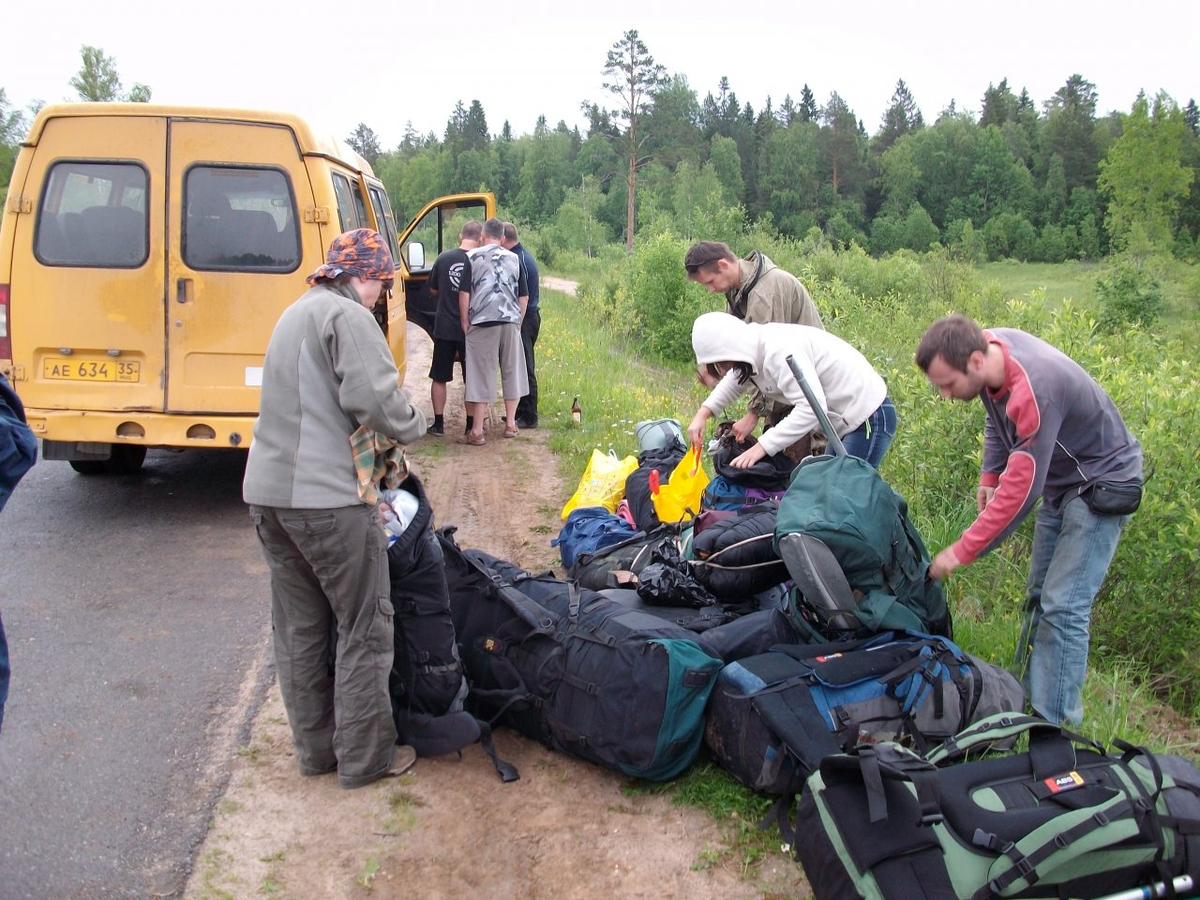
748,356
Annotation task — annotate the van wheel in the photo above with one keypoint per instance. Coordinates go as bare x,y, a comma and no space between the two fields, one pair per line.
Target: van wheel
125,460
88,466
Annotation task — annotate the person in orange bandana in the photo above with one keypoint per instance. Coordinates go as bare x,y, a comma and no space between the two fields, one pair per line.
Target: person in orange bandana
329,375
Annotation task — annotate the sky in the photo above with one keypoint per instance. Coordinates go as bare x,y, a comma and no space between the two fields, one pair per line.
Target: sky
386,65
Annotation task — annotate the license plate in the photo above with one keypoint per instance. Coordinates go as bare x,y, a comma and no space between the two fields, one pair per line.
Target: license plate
91,369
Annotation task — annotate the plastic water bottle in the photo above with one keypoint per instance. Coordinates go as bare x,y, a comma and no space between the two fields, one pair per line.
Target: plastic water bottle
400,510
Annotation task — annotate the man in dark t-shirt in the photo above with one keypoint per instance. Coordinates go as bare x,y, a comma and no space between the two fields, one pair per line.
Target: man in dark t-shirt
527,407
450,271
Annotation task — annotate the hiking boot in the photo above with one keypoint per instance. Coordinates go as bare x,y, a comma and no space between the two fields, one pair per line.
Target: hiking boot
402,761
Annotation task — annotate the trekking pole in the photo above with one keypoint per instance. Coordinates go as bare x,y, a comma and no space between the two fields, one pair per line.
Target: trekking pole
1150,891
835,442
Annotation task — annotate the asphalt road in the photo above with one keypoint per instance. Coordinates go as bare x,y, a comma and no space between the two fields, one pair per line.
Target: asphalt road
137,616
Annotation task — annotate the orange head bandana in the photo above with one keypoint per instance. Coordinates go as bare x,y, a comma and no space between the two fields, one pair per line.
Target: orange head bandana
360,252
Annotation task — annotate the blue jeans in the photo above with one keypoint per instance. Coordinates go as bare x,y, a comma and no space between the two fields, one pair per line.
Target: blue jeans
1072,549
871,439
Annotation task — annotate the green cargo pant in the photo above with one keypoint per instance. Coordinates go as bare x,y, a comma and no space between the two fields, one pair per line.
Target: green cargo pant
329,569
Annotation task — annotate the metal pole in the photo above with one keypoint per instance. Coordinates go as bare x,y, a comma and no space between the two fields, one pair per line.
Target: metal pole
1150,891
836,447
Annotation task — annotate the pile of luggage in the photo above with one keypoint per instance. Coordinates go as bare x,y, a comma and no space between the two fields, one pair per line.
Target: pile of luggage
789,625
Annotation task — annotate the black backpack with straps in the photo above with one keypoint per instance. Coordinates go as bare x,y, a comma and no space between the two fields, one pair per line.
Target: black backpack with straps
582,673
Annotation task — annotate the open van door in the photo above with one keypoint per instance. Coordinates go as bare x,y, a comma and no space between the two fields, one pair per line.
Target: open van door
434,229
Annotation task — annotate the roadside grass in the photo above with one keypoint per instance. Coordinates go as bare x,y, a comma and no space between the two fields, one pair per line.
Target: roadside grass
578,356
216,883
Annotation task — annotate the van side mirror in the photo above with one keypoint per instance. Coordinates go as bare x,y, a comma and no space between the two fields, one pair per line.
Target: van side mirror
416,255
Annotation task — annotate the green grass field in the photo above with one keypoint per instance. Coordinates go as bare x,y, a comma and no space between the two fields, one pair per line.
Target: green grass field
1060,281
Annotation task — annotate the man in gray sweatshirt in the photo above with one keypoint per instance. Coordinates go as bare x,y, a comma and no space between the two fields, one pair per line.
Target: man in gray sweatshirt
1053,434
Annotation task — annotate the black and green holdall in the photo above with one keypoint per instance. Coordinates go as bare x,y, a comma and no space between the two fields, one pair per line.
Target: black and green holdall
1066,819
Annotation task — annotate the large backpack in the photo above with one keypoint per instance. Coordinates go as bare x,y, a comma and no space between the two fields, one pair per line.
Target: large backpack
735,557
581,673
726,494
858,562
427,684
1065,819
588,529
774,717
618,564
637,483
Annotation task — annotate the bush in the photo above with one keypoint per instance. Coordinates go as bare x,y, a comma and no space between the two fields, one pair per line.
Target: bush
1129,294
661,301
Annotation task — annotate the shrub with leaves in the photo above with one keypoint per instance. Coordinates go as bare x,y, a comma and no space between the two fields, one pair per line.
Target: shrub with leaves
1129,294
664,304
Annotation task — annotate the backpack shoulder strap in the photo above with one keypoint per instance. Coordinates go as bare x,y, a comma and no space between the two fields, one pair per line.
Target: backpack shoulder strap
741,298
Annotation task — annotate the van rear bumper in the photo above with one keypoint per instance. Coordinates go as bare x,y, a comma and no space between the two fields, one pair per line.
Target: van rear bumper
74,427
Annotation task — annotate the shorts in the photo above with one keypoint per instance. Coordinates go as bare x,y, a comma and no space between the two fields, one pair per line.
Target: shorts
441,367
491,346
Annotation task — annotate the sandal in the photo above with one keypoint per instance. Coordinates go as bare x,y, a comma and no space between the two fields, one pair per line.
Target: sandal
471,439
511,432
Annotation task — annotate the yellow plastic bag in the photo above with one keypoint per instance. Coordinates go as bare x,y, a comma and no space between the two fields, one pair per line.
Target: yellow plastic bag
679,498
603,482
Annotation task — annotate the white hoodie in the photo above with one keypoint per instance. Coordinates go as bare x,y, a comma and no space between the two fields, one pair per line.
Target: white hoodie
840,377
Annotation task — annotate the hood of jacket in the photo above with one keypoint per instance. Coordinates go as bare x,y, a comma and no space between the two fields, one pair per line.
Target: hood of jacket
720,337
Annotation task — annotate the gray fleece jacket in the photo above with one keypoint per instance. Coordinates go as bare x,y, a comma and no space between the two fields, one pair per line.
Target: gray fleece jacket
328,370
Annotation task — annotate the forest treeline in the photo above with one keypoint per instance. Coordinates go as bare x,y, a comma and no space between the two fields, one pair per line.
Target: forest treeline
1019,180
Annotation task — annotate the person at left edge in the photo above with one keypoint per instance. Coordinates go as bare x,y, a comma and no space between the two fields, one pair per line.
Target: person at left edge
328,373
18,452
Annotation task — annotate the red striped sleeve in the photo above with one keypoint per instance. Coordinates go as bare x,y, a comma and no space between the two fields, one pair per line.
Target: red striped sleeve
1012,494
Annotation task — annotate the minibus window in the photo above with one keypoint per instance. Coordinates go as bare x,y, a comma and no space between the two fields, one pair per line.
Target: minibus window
93,214
239,218
349,207
383,215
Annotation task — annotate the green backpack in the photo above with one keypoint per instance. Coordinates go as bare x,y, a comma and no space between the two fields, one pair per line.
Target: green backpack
1064,819
857,562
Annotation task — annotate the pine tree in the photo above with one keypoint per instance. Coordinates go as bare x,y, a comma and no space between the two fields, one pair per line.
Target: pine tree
633,76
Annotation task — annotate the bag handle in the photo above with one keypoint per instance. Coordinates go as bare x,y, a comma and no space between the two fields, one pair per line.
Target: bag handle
999,726
987,730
